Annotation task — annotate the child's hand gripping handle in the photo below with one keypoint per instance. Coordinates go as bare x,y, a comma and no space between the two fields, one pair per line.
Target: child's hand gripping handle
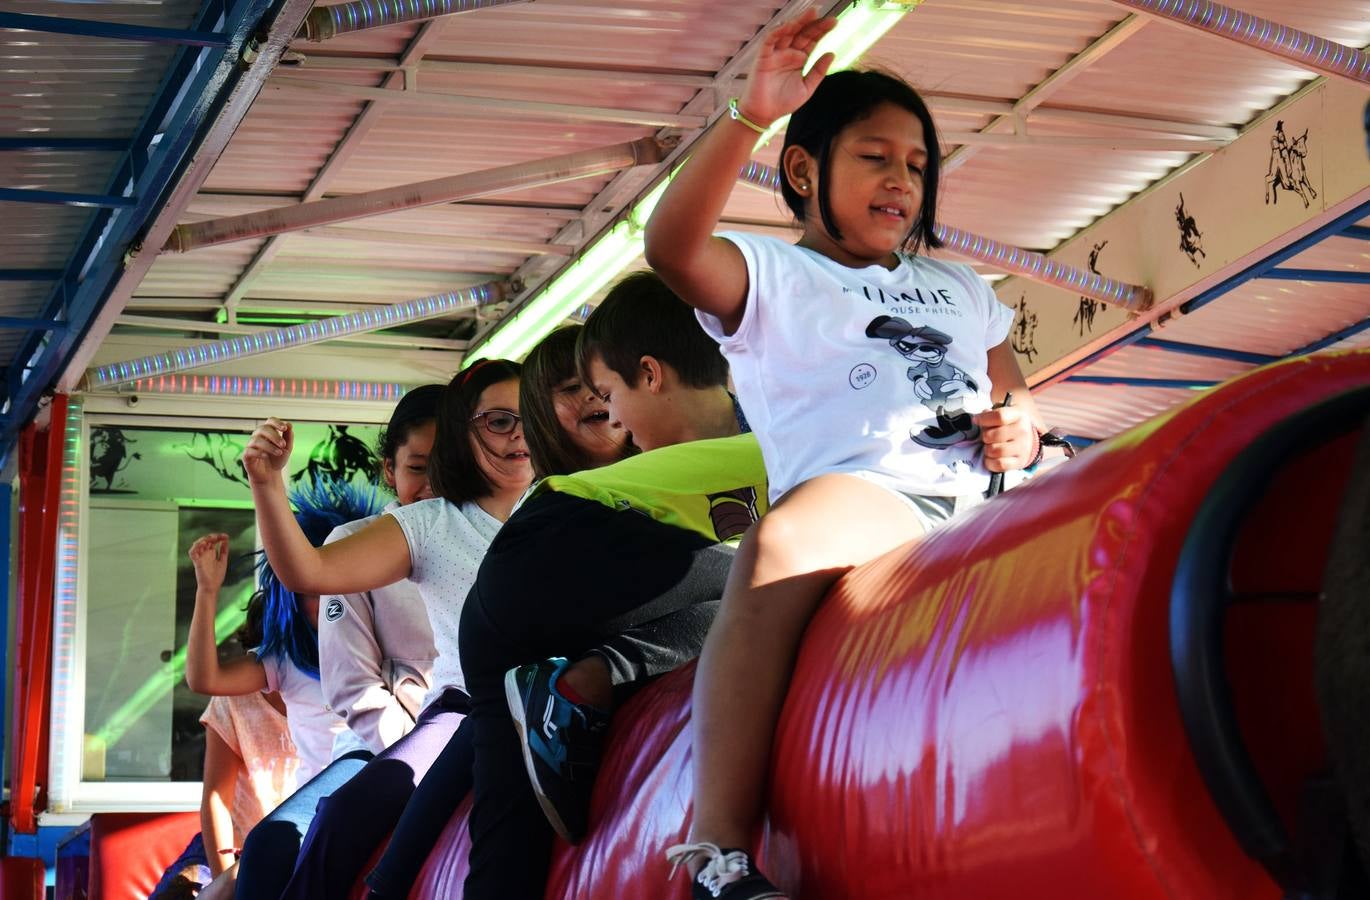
996,479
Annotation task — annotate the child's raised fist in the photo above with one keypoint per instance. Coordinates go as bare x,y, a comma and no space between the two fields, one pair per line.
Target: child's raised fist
209,556
268,450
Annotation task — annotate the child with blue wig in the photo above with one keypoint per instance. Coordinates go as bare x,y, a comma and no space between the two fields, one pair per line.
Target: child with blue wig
287,659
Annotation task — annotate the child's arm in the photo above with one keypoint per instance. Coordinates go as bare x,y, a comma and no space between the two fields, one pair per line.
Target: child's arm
708,272
204,674
1009,433
373,557
216,819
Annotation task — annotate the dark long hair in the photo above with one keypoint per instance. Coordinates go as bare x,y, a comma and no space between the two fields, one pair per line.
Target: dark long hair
547,365
841,99
454,473
415,408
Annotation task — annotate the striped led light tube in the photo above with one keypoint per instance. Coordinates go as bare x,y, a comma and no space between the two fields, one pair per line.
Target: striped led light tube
301,335
1300,48
326,22
1014,260
252,386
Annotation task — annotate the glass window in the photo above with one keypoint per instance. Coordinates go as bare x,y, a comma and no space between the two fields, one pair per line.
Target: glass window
151,493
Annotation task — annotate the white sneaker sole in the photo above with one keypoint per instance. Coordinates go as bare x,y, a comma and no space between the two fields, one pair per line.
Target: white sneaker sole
514,699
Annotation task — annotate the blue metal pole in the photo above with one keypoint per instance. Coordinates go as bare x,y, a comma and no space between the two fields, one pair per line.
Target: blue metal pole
112,30
50,144
1337,226
6,502
1241,356
1328,276
1359,232
30,274
11,322
197,84
65,198
1335,337
1187,384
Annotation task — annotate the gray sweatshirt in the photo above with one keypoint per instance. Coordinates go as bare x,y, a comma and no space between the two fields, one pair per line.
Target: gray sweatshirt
375,655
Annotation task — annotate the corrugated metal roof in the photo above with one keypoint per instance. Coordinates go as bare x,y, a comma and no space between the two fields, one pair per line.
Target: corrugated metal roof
55,86
974,58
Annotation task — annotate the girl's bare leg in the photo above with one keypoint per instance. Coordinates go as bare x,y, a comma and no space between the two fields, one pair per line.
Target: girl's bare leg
786,564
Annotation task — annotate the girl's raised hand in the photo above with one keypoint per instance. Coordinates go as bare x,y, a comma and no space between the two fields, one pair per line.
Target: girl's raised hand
777,85
268,450
209,555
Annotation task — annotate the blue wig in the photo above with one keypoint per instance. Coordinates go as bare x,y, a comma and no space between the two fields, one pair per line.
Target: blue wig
321,506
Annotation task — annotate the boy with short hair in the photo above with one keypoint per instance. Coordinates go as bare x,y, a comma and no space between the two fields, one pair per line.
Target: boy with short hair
662,520
646,356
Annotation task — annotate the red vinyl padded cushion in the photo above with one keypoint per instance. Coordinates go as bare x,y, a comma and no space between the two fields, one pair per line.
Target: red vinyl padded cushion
21,878
990,712
130,851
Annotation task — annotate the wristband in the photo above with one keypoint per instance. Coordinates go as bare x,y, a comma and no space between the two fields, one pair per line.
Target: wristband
736,115
1036,449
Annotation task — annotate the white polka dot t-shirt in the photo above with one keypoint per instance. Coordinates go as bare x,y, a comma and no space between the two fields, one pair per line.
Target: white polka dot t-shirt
446,545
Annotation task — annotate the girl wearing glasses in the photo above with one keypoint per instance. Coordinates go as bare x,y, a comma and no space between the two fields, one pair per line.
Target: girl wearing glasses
478,470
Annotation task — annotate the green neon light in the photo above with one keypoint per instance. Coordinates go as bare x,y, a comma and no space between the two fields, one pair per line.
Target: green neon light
858,28
168,675
608,256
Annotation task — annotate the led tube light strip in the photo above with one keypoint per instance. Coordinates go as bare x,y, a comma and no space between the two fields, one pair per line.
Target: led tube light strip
1297,47
280,388
326,22
301,335
858,28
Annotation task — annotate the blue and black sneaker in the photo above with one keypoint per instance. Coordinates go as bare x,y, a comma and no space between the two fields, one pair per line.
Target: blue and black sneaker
561,743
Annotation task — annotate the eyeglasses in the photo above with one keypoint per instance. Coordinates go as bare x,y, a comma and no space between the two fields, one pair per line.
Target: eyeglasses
498,421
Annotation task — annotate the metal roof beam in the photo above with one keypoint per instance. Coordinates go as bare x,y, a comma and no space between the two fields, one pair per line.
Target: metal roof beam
203,98
992,106
113,30
496,107
517,176
362,63
1357,232
62,145
67,198
631,185
987,139
484,203
446,242
346,147
1097,50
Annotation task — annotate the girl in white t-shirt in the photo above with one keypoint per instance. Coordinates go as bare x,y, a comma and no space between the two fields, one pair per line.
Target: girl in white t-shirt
867,371
478,469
